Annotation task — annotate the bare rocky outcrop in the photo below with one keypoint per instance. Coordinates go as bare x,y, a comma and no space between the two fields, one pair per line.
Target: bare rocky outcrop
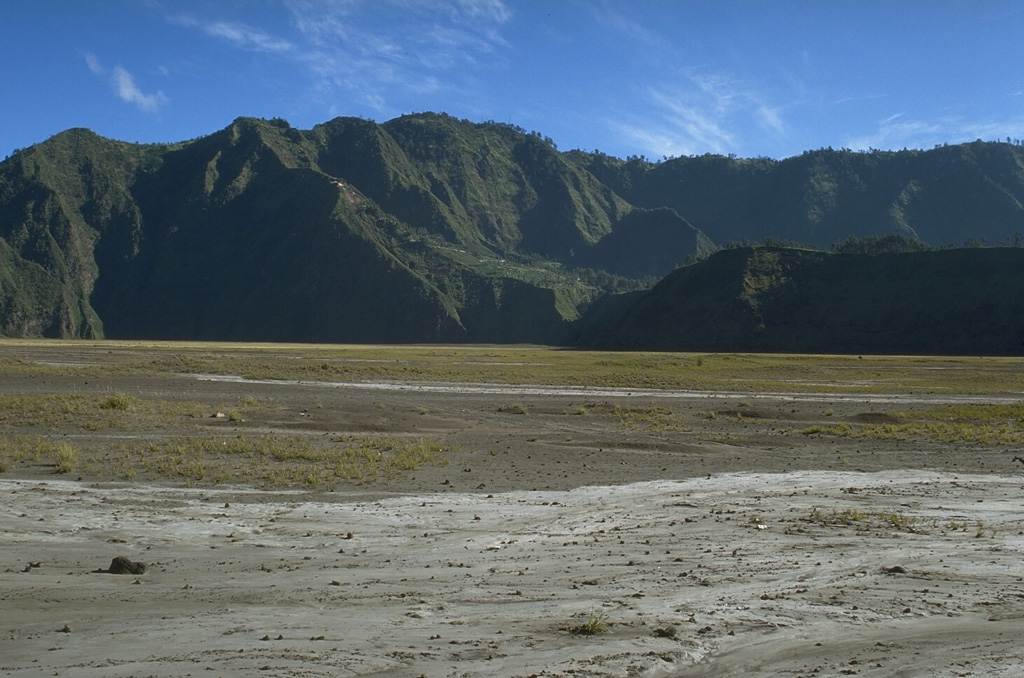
125,565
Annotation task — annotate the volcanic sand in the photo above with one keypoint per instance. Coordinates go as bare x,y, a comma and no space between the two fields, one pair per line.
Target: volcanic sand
732,545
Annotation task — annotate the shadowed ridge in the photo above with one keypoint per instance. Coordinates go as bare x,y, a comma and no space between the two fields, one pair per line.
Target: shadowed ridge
965,301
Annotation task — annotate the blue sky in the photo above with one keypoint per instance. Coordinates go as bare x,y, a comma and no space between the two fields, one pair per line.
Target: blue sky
628,77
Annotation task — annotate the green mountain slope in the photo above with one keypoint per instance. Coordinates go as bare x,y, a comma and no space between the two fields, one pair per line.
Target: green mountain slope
423,229
947,195
427,228
965,301
56,204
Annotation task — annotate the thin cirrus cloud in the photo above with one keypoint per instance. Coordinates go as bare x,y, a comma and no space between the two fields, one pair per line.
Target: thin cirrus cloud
94,64
375,52
898,130
494,10
696,122
677,130
432,33
248,37
378,52
706,113
125,87
897,127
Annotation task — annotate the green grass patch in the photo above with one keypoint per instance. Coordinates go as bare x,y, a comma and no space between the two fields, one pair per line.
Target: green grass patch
268,461
866,519
992,414
989,424
893,521
92,413
939,432
67,458
530,365
117,401
27,450
839,430
653,418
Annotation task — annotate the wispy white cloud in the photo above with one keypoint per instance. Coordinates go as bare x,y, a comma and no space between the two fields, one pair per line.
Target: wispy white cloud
247,37
705,113
491,10
698,123
94,64
238,34
125,87
657,141
898,131
630,30
376,52
430,46
770,118
848,98
462,29
893,120
687,109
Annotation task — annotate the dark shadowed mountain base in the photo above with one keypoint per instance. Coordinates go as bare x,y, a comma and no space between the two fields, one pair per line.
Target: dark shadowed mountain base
966,301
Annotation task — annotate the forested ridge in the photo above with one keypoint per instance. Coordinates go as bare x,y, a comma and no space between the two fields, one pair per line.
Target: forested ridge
430,228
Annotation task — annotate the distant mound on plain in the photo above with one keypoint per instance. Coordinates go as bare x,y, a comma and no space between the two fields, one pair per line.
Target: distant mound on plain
962,301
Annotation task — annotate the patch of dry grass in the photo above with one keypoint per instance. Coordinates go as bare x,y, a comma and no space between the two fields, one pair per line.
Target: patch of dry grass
90,412
267,461
532,365
989,424
650,418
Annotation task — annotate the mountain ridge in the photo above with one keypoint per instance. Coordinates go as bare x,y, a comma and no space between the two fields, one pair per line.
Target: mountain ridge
425,227
772,299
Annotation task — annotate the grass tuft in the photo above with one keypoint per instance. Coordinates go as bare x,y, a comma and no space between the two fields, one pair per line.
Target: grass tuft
67,458
595,623
117,401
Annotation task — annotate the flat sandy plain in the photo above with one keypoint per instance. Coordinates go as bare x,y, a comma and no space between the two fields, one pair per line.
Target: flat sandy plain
701,515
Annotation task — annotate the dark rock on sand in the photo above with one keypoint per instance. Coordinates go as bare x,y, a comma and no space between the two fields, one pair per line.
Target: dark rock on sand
124,565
